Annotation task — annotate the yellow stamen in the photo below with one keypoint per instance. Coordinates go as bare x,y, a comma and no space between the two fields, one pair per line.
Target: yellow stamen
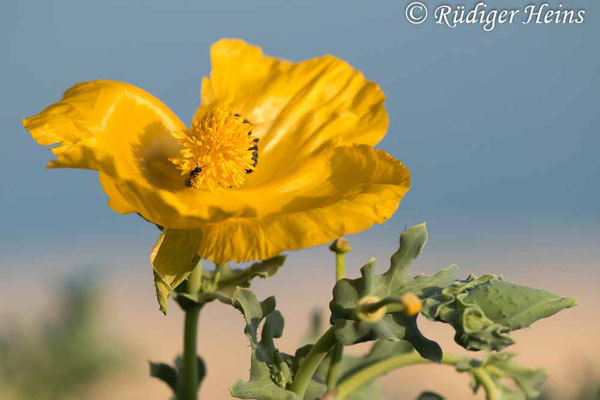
218,150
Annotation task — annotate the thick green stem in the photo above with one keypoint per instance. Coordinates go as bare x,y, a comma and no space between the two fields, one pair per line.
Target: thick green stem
189,389
190,359
310,364
349,384
334,368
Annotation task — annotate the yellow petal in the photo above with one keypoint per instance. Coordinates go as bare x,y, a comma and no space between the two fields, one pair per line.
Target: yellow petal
295,107
345,190
317,177
173,259
117,129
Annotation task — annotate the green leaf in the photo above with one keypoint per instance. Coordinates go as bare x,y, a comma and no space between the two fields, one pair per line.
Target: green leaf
173,259
201,371
350,329
222,283
173,376
165,373
229,279
494,368
484,310
269,371
430,396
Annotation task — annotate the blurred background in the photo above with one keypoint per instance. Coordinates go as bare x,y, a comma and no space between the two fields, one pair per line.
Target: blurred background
499,130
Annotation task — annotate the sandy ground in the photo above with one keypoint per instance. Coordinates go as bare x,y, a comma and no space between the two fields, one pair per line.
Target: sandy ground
564,344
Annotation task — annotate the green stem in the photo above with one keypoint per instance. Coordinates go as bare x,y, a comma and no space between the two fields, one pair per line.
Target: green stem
190,360
349,384
338,350
340,266
310,364
189,389
334,368
219,268
373,307
488,384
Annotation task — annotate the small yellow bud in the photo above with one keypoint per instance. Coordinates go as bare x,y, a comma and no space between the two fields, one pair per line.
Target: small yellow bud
412,304
372,316
340,246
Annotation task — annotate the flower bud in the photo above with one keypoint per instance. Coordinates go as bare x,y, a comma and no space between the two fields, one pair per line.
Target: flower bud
340,246
412,304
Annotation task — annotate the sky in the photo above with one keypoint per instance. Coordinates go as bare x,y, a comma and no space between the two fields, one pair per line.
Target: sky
499,129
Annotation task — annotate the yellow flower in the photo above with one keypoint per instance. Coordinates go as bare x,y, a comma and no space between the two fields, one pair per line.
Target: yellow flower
279,156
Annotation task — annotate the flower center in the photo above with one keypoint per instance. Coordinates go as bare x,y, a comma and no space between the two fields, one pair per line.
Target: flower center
218,150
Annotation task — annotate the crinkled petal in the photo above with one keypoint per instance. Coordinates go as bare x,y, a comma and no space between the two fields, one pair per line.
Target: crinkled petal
317,178
117,129
296,107
351,188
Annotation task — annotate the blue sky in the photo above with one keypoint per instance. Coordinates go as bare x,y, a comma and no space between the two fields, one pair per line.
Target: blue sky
499,129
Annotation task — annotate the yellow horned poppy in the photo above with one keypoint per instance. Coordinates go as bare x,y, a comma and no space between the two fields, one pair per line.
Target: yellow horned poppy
279,156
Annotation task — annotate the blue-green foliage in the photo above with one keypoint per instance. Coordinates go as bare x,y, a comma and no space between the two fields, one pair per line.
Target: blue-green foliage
350,329
484,310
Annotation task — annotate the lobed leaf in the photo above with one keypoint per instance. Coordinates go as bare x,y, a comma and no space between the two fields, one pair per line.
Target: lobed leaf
396,281
484,310
230,279
222,283
165,373
269,371
173,375
496,368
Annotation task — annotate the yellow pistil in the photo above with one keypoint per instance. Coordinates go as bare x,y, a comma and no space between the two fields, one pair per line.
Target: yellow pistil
218,150
370,316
